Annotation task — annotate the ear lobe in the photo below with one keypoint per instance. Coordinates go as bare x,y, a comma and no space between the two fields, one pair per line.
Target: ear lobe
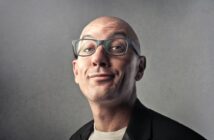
141,68
75,70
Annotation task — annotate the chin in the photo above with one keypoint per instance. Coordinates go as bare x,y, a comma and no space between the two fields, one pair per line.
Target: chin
101,96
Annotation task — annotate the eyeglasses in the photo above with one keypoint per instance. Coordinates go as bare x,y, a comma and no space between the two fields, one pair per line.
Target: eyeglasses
114,46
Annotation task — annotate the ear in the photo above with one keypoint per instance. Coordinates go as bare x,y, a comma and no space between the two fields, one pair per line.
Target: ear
141,67
75,70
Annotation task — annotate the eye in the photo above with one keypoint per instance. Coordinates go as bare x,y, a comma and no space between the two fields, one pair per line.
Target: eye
86,47
117,46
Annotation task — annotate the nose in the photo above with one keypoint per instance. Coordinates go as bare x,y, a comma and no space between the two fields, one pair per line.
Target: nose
100,58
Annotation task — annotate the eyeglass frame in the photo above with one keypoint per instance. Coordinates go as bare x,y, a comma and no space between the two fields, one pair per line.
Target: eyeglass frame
130,43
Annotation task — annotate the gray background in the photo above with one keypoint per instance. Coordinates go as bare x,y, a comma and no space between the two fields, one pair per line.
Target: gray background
38,97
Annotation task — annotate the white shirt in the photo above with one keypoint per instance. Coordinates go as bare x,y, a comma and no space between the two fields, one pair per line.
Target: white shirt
100,135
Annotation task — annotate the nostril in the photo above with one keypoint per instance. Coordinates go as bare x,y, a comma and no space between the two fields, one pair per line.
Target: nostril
103,64
94,64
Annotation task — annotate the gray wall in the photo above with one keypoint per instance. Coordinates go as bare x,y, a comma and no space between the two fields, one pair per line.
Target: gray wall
38,97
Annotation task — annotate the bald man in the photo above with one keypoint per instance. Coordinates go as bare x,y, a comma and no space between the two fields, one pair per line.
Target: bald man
107,64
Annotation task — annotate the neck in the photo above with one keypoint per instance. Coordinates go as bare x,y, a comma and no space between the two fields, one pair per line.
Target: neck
112,117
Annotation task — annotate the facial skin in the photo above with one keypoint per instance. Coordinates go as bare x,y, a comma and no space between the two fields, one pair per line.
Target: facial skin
103,78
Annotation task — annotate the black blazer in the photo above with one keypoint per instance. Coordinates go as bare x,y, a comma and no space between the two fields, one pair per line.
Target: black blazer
146,124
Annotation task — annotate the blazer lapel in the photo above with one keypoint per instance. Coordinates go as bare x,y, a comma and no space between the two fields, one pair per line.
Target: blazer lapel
87,131
140,124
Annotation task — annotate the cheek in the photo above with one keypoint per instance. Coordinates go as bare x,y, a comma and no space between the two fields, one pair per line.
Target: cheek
124,71
81,74
81,71
128,68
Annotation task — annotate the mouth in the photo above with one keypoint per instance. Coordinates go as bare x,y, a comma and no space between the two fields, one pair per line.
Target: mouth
101,76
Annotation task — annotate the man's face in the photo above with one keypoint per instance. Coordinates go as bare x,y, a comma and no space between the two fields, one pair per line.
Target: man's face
103,77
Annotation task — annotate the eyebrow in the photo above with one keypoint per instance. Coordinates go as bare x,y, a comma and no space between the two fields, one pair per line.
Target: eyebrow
87,36
120,33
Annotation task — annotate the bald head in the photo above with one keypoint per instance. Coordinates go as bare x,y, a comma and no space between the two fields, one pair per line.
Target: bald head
105,24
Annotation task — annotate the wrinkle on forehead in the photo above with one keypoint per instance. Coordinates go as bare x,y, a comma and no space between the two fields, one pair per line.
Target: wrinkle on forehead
107,23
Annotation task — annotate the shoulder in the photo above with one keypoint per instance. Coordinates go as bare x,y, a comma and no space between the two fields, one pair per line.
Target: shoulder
164,127
83,132
148,124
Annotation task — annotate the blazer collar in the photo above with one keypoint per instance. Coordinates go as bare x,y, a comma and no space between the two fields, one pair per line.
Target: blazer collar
140,124
87,131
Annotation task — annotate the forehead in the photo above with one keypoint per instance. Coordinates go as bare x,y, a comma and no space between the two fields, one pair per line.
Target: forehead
103,29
